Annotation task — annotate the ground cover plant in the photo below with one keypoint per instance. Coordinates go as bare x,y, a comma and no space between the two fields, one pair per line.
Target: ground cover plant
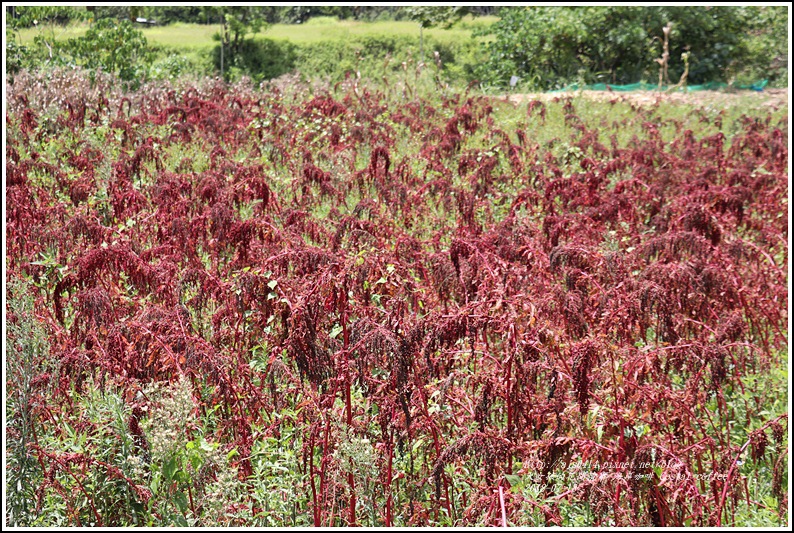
370,304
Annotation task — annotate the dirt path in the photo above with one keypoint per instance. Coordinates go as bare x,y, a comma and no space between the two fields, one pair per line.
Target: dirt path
776,98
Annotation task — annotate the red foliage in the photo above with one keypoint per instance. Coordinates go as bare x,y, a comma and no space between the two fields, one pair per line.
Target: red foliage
434,287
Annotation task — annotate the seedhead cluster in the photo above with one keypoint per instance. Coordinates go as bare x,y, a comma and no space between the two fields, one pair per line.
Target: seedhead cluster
408,300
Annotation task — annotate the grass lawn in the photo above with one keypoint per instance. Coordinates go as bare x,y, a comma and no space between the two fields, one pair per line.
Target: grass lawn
60,33
196,36
328,28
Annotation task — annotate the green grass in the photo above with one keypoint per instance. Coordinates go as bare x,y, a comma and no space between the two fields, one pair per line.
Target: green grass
182,35
59,33
194,36
178,35
327,28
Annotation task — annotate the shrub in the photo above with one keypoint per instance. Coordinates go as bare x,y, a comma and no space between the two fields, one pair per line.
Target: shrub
766,54
46,50
376,56
113,46
16,57
28,352
28,16
261,59
555,46
173,66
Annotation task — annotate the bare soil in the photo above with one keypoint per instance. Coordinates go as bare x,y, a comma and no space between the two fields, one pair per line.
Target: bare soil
774,98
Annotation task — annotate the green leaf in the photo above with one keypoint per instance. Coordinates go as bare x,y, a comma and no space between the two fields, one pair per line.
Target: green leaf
181,501
155,484
335,331
417,444
169,469
196,460
516,483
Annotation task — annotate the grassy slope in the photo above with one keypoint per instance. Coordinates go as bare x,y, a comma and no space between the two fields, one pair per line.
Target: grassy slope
196,36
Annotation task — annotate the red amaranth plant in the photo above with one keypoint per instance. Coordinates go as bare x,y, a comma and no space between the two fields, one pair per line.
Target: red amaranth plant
467,301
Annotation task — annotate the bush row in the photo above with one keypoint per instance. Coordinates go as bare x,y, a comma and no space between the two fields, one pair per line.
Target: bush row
551,47
546,47
371,56
118,48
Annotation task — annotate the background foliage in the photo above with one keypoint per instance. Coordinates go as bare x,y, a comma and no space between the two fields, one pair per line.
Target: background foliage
547,47
555,46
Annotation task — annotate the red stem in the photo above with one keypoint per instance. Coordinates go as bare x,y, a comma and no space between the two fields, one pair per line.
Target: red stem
388,480
727,482
82,489
323,462
315,503
348,402
509,398
502,504
190,496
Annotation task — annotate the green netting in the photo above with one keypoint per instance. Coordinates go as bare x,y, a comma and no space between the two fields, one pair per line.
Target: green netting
710,86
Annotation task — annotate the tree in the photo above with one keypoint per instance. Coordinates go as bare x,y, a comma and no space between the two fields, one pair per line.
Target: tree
237,23
115,12
431,16
45,42
27,16
765,52
170,14
116,47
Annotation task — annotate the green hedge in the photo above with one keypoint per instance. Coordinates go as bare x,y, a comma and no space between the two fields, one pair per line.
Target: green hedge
260,59
551,47
263,59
